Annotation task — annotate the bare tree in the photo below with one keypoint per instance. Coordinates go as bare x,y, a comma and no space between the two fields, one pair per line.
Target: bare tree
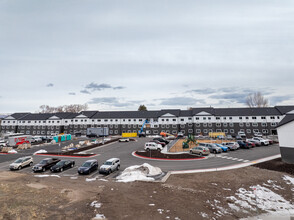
75,108
256,100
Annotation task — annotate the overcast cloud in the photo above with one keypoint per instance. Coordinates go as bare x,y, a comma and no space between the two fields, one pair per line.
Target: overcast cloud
116,55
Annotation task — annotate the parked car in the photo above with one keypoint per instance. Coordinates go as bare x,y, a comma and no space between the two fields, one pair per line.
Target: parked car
124,140
256,142
88,167
269,141
242,134
152,146
45,164
229,137
261,140
62,165
231,145
200,150
244,145
224,148
258,134
21,162
161,140
110,166
252,144
212,147
180,134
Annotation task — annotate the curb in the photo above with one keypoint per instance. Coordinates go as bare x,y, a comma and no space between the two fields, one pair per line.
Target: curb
58,155
163,159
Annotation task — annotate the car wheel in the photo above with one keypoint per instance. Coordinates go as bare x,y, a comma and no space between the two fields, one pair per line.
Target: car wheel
61,169
31,164
43,169
147,149
191,152
214,152
158,149
19,167
200,154
118,167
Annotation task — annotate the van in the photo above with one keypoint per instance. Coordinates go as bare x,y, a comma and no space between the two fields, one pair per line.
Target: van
152,146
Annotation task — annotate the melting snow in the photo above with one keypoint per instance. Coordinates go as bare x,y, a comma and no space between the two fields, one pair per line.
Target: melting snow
289,179
12,152
45,175
151,204
99,216
95,204
40,152
139,172
90,179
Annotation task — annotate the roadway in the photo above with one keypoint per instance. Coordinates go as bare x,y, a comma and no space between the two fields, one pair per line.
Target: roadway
123,151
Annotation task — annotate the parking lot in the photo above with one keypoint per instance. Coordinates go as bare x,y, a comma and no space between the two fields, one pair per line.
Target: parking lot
123,150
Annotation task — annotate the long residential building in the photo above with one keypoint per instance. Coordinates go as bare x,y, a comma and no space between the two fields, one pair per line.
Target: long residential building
194,121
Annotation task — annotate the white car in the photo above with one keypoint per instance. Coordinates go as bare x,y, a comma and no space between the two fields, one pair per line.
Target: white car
124,140
261,140
21,162
258,134
110,166
152,146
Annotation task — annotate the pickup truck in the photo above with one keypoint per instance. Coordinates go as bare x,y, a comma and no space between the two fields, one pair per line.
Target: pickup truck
45,164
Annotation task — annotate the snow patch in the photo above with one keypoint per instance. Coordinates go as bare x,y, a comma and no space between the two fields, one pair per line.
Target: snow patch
139,172
151,204
90,179
40,152
12,152
99,216
46,175
96,204
289,179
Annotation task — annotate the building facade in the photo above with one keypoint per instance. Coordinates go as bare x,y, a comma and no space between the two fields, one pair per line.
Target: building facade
195,121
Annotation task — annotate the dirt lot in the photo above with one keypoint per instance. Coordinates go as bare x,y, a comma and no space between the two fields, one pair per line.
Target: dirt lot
189,196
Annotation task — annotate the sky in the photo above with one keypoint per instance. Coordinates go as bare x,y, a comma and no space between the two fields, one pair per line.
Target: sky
165,54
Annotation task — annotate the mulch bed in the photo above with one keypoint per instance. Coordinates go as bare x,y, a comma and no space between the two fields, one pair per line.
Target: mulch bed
74,152
277,165
159,155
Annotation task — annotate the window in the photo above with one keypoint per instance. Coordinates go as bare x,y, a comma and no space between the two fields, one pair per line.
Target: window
204,125
116,126
226,130
182,126
217,118
99,120
263,124
253,117
155,126
110,126
273,124
140,119
248,131
255,130
242,130
198,131
116,132
209,118
230,117
218,124
254,124
92,121
124,126
232,131
162,126
182,119
167,119
225,124
134,126
197,118
189,118
129,126
174,119
278,117
205,131
204,118
241,124
224,118
174,126
240,118
190,130
272,117
209,125
75,121
197,125
262,117
128,120
155,132
162,119
218,130
174,132
116,120
231,125
265,131
105,120
167,126
190,125
247,124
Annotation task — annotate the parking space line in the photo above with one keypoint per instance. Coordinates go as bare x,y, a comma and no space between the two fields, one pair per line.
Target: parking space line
245,161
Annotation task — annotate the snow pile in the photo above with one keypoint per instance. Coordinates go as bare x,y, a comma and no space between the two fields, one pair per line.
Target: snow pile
12,152
90,179
40,152
289,179
99,216
260,197
96,204
139,172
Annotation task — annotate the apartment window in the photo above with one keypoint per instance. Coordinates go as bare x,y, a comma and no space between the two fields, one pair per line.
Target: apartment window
225,124
247,124
204,125
182,119
226,130
197,118
174,119
189,118
129,120
133,119
125,119
197,125
242,130
218,130
262,117
240,117
105,120
204,118
167,126
254,124
27,132
134,126
247,117
198,131
265,131
116,132
255,130
75,121
167,119
183,131
124,126
129,126
217,118
209,125
224,118
278,117
248,131
232,131
155,132
162,126
111,132
263,124
190,124
230,118
231,125
116,120
273,124
92,120
174,126
218,124
205,131
209,118
155,126
82,120
99,120
140,119
241,124
272,117
116,126
182,126
110,126
190,130
162,119
253,117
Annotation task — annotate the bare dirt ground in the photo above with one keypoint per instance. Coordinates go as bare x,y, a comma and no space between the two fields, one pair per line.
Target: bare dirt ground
186,196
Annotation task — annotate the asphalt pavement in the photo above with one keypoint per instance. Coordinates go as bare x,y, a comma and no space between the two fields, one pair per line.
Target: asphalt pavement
123,150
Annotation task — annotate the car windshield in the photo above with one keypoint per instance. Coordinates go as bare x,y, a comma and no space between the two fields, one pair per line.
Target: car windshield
18,161
61,163
43,162
108,163
86,164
